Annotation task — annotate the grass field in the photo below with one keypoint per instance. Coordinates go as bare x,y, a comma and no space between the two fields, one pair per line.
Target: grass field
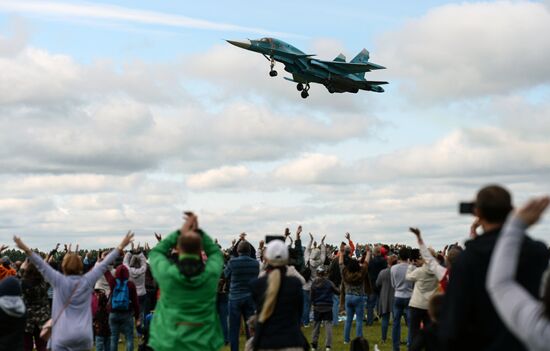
372,333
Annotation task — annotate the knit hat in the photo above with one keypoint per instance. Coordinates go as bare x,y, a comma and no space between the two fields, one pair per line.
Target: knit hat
10,286
276,253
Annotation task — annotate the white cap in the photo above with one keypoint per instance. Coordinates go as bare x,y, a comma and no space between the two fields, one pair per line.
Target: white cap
276,253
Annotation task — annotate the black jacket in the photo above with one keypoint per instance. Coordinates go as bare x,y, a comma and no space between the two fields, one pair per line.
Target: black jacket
12,330
282,329
334,274
376,265
469,320
322,291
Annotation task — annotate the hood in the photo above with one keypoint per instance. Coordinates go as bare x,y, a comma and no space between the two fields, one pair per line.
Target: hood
121,272
315,257
12,306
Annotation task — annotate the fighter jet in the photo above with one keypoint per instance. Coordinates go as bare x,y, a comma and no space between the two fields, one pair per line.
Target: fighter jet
338,76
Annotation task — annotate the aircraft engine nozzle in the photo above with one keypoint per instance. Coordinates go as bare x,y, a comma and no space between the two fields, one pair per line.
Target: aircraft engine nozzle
245,44
376,88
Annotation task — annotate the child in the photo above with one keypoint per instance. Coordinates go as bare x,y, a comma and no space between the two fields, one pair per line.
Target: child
322,291
427,337
102,332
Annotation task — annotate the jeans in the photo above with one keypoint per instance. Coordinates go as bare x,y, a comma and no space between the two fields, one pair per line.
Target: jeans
307,308
417,316
103,343
122,322
385,325
223,312
371,305
400,308
237,308
142,300
354,306
335,307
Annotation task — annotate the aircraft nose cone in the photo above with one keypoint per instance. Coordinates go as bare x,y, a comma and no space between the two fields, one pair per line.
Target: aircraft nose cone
245,44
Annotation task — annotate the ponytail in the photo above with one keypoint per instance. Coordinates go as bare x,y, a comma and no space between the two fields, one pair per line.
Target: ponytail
273,285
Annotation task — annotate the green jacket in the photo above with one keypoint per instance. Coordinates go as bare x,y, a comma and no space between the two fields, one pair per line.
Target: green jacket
185,316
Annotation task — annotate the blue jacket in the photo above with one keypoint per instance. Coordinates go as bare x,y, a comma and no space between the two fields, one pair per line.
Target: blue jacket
241,270
322,291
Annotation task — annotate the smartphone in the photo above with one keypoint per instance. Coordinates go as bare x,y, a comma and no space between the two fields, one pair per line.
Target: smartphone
268,238
466,208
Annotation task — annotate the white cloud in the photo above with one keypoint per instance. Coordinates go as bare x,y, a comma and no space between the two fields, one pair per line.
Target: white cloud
218,178
470,50
108,12
308,169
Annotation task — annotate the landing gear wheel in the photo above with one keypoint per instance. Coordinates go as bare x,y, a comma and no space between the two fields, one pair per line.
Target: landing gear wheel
331,90
304,94
300,86
273,73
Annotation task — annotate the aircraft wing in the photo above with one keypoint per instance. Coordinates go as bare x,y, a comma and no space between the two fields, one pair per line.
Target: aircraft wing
347,66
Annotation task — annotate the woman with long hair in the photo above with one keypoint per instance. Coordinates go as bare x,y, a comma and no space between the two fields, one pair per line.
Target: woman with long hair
277,297
354,276
72,296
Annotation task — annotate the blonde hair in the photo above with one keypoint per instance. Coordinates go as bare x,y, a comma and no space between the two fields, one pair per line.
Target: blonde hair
72,264
273,285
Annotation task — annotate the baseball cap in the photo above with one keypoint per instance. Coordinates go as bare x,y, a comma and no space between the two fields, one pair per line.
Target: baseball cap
276,253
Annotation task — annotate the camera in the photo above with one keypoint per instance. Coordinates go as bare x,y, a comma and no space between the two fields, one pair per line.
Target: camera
466,208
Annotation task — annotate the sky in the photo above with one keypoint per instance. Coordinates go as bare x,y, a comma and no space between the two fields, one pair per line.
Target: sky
118,115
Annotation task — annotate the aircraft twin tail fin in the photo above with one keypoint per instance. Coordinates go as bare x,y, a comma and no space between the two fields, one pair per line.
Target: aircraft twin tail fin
340,58
362,57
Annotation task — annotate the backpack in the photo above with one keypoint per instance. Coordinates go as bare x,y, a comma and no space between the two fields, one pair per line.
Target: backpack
120,298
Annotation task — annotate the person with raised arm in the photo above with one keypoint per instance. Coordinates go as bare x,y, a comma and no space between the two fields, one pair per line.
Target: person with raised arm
185,316
469,320
72,296
524,315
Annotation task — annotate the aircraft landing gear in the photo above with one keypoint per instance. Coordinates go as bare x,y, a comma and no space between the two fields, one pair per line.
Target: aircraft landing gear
305,91
300,86
272,72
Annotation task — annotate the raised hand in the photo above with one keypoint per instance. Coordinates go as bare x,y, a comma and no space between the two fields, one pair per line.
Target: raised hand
310,236
323,239
128,238
531,212
158,236
190,224
287,232
21,245
418,234
3,247
76,249
299,230
473,228
57,246
348,236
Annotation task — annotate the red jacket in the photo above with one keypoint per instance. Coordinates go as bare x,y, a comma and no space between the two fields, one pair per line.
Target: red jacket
122,274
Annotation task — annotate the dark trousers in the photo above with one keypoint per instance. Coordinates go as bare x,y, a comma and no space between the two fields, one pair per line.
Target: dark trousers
237,308
223,312
417,316
371,305
34,338
400,309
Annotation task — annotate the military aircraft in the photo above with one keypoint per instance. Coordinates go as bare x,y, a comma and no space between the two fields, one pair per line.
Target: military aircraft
338,76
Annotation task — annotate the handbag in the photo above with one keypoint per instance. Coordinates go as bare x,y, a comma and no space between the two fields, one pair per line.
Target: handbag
46,331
